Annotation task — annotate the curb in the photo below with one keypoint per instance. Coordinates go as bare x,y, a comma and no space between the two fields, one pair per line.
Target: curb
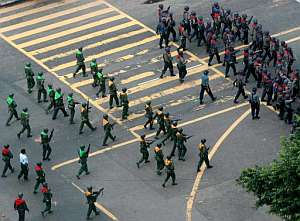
10,2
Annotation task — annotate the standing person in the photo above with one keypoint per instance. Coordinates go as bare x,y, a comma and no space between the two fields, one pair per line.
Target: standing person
171,27
162,30
41,177
29,77
125,103
91,198
100,78
11,108
6,157
47,199
21,206
108,127
24,165
160,120
80,63
83,157
159,157
45,141
40,83
144,145
255,104
59,104
205,87
149,115
51,95
113,93
240,84
203,154
168,62
181,65
84,111
213,51
71,106
170,169
25,123
94,71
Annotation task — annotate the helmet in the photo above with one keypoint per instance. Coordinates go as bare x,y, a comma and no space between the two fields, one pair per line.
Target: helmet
206,72
267,33
193,13
124,89
82,147
161,6
148,102
105,116
244,16
28,64
160,108
111,78
203,141
40,73
83,104
254,89
94,60
186,8
70,95
180,130
25,109
167,49
200,17
255,21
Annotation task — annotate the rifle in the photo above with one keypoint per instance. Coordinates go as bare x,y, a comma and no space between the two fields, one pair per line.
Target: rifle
113,124
98,193
88,104
51,134
188,137
176,120
88,149
149,142
250,20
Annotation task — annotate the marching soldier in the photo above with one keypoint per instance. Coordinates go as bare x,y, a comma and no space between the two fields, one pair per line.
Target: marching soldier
45,141
149,115
21,206
168,63
170,169
24,165
108,127
91,198
84,111
213,50
113,93
159,157
239,83
229,60
59,104
25,123
41,176
29,77
181,65
161,121
124,102
94,71
100,78
11,108
203,154
144,145
6,157
162,30
83,156
47,199
40,81
180,140
255,104
171,131
80,63
71,106
205,87
201,31
183,35
51,95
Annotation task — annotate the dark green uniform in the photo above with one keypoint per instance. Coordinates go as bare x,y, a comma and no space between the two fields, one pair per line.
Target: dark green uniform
47,199
125,104
144,145
25,124
180,140
107,131
113,94
51,95
6,157
172,134
161,122
29,77
84,111
80,62
100,79
40,81
83,156
11,109
91,198
159,157
170,170
203,154
149,116
45,141
94,71
71,106
59,104
41,177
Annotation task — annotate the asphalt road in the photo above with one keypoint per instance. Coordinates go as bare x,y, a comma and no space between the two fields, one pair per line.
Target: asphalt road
47,33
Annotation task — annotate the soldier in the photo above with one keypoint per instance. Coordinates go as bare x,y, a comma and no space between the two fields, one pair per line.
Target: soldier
205,87
160,120
29,77
41,177
203,154
84,111
267,83
171,27
11,108
6,157
71,106
101,82
251,67
194,25
144,145
91,198
24,165
239,83
59,104
181,138
47,199
94,71
159,157
266,46
171,133
40,81
21,206
183,35
230,60
168,63
162,30
113,93
255,104
149,115
186,20
181,65
108,127
124,102
246,61
213,50
25,123
51,95
170,169
45,141
80,63
83,156
201,31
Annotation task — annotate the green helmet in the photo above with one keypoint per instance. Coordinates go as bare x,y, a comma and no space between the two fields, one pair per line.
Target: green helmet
28,64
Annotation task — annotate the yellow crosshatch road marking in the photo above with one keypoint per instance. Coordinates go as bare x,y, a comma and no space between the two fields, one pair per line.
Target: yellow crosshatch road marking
35,10
100,43
138,77
60,24
70,31
108,52
82,38
52,16
16,7
293,39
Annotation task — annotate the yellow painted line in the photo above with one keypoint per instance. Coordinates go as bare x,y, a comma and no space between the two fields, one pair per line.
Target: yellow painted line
60,24
83,83
293,39
100,43
138,77
82,38
35,10
286,32
108,52
18,6
98,205
192,196
54,15
68,31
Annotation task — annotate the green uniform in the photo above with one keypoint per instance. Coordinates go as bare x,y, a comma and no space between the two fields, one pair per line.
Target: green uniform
180,139
144,151
124,103
83,156
71,106
29,77
149,116
25,124
45,141
51,95
113,94
161,122
59,105
159,157
6,157
80,63
40,179
91,198
170,170
203,154
11,109
40,80
171,134
94,71
84,111
100,80
107,131
47,199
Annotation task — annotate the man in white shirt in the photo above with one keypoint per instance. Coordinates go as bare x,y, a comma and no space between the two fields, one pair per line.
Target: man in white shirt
24,165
